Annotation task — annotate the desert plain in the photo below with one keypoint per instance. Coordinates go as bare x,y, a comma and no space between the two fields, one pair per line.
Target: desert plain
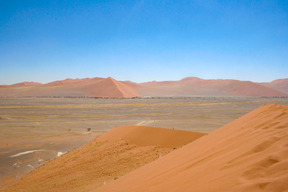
36,130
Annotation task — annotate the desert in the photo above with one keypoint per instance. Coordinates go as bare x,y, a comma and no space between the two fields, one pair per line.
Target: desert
43,133
248,154
143,96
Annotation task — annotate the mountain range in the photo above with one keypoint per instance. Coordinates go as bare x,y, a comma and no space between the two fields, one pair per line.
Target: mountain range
111,88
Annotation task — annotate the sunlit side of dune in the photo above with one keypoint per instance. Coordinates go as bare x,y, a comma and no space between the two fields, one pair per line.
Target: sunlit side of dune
249,154
103,160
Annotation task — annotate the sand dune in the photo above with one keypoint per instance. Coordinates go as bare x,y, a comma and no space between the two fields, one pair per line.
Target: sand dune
279,84
143,135
103,160
109,87
195,86
93,87
249,154
26,84
112,88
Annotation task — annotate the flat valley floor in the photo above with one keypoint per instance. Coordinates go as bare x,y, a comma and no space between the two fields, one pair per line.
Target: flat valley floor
34,131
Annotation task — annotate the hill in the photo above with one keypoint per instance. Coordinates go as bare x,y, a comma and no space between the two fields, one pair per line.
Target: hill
108,157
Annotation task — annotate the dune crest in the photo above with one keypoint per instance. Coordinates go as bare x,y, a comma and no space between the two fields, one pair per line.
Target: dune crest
279,84
103,160
109,87
26,84
212,87
248,154
91,87
143,135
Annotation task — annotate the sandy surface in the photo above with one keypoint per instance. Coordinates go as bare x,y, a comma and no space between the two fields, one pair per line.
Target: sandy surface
61,124
248,154
105,159
22,155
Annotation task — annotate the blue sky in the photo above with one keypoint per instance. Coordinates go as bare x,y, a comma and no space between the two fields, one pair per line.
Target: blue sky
143,40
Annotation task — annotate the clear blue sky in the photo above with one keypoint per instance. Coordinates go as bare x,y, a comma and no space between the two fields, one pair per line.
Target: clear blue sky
143,40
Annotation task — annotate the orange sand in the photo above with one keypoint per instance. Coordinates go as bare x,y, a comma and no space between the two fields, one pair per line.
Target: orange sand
143,136
103,160
249,154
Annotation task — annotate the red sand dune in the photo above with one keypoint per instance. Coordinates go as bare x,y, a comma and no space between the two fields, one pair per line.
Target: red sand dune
108,157
25,84
143,135
74,81
94,87
249,154
195,86
109,87
279,84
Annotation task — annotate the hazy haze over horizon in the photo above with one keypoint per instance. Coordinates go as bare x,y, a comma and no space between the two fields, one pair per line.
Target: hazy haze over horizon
143,40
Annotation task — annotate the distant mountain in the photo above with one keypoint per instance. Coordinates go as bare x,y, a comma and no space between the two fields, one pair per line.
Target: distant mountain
109,87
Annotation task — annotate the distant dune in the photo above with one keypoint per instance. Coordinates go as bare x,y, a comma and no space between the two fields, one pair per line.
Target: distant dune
103,160
26,84
91,87
109,87
192,86
247,155
279,84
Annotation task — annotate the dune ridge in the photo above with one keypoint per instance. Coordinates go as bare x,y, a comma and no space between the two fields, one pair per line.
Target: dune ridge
109,87
248,154
212,87
103,160
279,84
26,84
143,135
112,88
90,87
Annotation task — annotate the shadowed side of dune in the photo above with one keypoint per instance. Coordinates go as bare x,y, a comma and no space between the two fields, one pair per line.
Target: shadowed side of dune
95,87
103,160
249,154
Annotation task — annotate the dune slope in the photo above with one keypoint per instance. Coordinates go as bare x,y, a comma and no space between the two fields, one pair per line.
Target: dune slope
95,87
106,158
249,154
110,87
143,136
279,84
